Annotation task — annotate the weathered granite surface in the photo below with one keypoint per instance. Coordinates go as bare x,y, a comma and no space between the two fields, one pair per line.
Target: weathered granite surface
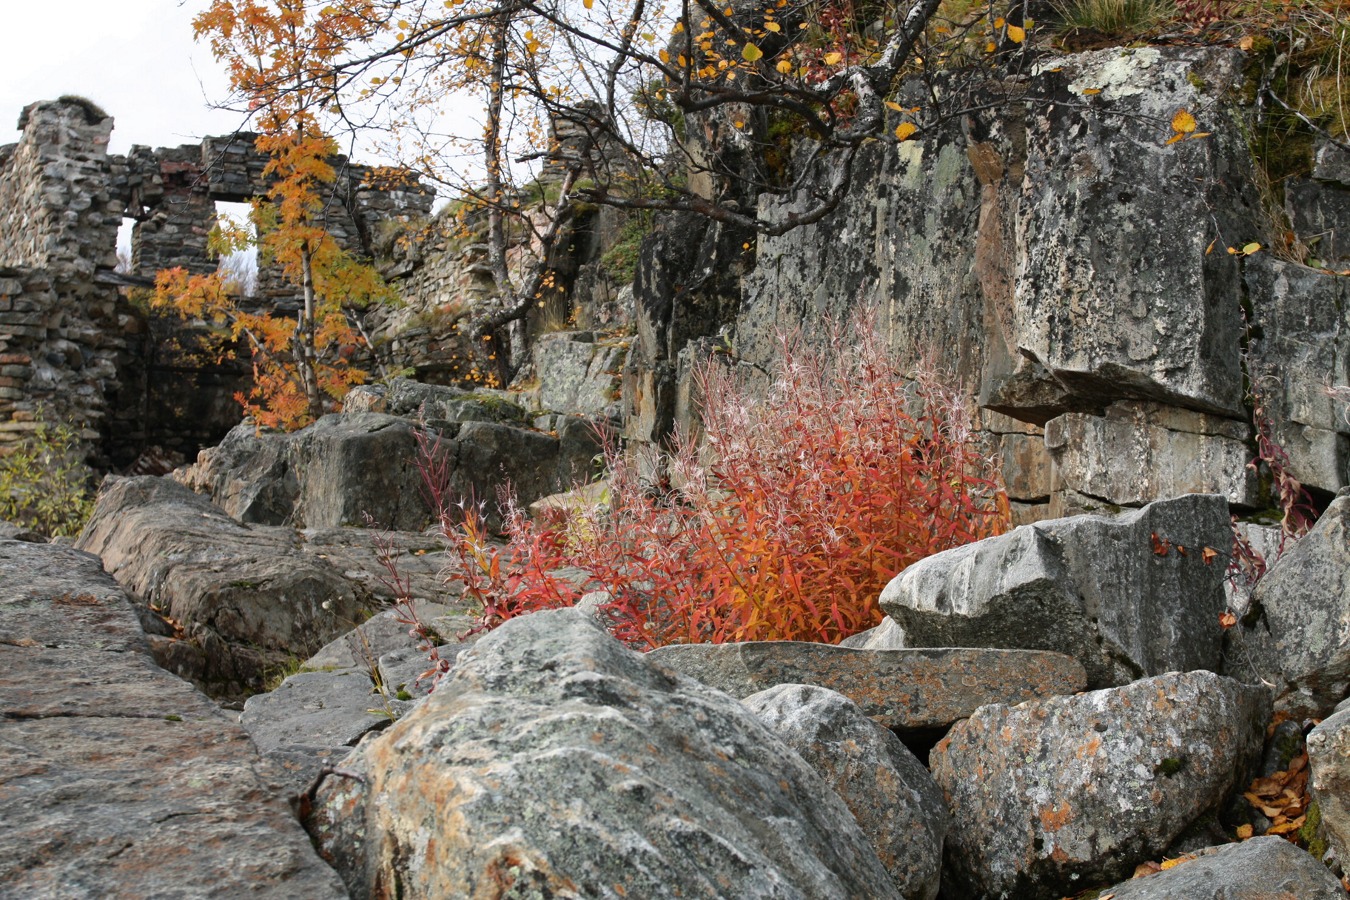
118,779
557,763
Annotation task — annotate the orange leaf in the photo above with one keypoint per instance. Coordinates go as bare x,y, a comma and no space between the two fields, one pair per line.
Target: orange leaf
1183,122
1286,827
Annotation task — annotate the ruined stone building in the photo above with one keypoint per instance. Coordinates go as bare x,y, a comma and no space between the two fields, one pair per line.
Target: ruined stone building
72,342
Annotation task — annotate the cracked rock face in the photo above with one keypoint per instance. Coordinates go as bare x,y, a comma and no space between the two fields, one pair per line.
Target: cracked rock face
1053,795
247,598
118,779
555,762
1128,596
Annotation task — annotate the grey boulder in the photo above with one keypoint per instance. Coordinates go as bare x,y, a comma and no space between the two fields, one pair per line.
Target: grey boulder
1263,868
1329,768
556,762
1128,596
1049,796
1305,597
886,636
890,793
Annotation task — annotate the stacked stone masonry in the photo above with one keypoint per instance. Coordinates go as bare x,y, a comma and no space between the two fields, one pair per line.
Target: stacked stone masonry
72,346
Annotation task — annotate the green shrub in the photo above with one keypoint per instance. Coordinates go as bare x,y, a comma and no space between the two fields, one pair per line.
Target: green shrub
45,484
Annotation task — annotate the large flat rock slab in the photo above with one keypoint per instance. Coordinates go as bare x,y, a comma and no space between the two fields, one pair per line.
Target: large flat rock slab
901,689
118,779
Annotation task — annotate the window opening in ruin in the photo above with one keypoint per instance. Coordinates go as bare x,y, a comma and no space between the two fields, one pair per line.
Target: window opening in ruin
124,245
240,267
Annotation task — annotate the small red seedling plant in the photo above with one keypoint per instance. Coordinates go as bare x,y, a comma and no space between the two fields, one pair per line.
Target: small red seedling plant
783,520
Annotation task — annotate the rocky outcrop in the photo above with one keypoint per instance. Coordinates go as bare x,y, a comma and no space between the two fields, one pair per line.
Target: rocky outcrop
1046,252
336,472
890,793
119,779
1127,596
365,469
907,690
557,762
247,598
1075,790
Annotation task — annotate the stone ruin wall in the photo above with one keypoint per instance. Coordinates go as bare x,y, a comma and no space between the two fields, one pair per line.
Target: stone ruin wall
61,343
74,343
71,343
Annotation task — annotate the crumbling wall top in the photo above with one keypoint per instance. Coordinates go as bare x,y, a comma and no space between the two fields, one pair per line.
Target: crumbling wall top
57,209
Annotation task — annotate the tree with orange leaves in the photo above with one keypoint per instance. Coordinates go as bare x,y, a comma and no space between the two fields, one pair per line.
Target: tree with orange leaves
302,366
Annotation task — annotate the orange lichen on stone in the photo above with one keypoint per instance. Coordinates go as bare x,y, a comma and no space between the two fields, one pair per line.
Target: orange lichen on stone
1056,817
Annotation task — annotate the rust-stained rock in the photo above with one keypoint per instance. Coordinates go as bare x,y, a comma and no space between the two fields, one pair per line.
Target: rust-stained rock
116,778
902,689
1055,795
554,762
887,789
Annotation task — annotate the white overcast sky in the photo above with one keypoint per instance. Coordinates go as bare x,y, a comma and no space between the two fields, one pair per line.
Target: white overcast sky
134,58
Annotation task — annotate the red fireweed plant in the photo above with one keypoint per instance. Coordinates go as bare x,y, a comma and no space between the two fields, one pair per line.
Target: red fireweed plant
782,520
